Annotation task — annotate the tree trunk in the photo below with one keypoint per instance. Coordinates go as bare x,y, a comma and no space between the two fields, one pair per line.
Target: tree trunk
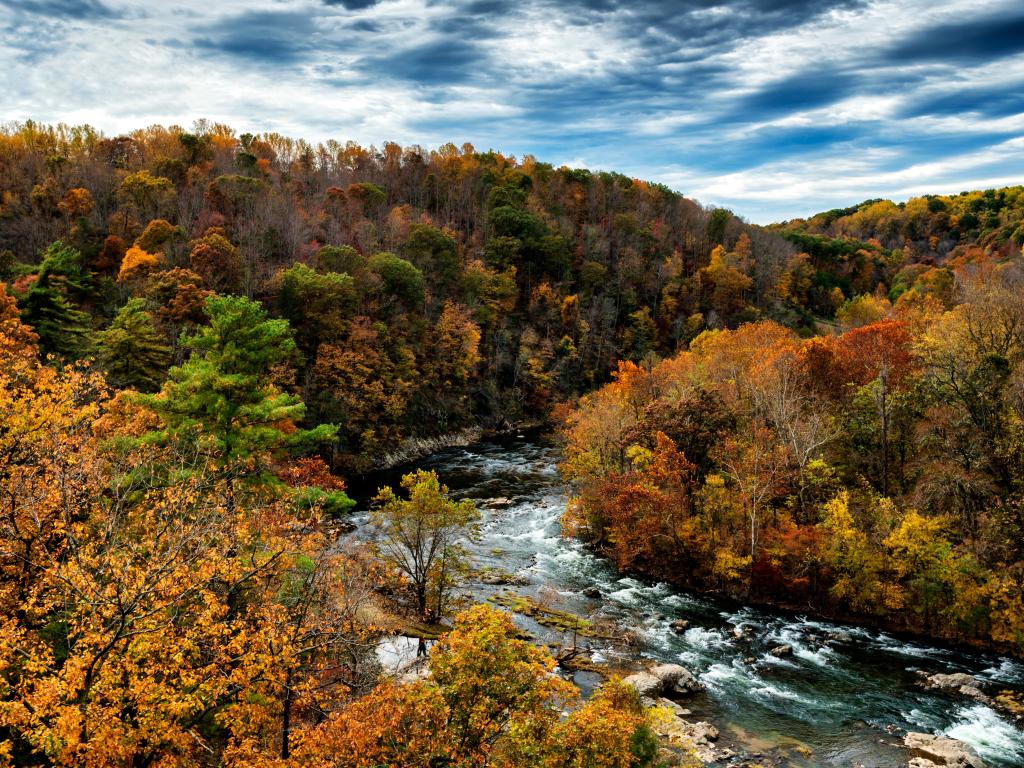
286,715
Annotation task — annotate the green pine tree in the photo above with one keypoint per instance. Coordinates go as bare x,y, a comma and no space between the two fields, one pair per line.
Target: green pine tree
132,351
221,404
47,305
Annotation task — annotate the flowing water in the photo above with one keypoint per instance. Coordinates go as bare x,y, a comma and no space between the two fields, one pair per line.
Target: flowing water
846,694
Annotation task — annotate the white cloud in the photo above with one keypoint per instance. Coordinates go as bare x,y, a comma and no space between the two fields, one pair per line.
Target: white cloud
604,88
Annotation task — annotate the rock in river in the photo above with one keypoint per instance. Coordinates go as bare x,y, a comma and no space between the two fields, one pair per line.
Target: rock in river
664,679
940,751
676,679
699,735
959,682
646,684
782,650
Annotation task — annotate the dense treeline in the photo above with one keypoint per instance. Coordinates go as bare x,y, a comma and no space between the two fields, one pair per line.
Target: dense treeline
929,227
884,248
428,290
874,474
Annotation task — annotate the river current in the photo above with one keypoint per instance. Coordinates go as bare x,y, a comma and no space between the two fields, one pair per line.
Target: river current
843,698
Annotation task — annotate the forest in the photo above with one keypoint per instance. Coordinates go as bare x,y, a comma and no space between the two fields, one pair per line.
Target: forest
871,472
202,333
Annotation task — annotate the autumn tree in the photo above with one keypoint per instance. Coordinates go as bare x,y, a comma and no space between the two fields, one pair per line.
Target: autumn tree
449,369
725,285
491,699
145,195
158,236
178,297
862,310
137,264
859,578
364,383
422,536
756,466
644,515
971,352
214,258
923,558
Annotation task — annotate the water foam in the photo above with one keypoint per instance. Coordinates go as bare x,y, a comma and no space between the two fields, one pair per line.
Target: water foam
991,736
1008,671
702,638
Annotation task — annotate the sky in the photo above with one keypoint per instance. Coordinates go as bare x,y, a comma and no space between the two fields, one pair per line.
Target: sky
772,108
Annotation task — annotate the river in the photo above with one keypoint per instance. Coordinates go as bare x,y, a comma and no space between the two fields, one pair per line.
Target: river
843,698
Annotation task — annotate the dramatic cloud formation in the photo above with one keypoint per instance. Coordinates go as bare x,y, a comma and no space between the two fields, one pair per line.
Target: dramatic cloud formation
774,108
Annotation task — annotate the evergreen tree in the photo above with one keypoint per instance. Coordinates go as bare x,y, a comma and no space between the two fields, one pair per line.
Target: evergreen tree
47,305
132,351
222,404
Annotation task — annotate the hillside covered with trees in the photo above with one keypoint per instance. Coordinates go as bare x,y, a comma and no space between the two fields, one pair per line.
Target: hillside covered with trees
873,474
918,244
427,290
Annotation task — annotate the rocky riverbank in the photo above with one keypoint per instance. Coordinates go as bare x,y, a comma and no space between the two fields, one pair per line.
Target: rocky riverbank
416,448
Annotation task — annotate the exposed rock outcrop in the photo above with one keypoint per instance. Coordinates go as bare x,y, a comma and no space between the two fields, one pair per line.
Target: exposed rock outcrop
664,680
676,679
956,682
646,684
498,577
673,707
700,736
940,751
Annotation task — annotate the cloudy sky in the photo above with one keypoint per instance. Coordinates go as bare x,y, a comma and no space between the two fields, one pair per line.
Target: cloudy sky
774,108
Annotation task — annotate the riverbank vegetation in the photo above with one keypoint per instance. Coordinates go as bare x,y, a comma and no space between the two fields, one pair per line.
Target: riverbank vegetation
873,474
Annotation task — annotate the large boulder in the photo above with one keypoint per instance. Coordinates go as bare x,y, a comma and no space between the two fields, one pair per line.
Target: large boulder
941,751
676,679
781,650
646,684
956,682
